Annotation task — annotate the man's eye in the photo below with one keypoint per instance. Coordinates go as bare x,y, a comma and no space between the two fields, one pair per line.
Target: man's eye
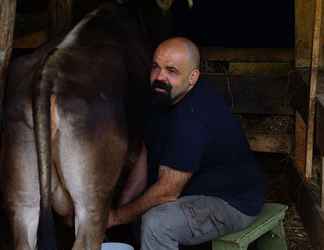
154,66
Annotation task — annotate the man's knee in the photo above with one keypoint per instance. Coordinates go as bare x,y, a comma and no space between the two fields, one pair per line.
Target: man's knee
151,220
159,220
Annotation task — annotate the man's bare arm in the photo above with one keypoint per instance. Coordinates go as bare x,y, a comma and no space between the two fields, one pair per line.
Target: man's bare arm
168,188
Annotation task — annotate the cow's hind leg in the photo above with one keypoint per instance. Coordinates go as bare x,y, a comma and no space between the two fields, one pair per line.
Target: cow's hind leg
91,163
20,179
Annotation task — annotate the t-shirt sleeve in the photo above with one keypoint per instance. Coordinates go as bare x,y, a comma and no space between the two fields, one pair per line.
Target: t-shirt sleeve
184,145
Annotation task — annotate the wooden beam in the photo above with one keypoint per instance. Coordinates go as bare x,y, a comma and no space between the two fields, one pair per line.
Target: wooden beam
322,185
247,54
254,94
319,133
313,86
299,79
304,23
268,133
300,144
260,68
308,207
30,41
269,143
7,23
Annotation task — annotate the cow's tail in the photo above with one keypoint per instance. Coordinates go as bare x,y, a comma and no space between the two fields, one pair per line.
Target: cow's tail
42,127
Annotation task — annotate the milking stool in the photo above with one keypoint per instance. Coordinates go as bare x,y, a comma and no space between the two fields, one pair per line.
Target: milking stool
267,231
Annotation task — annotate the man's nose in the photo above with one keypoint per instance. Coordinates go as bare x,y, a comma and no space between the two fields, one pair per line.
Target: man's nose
161,76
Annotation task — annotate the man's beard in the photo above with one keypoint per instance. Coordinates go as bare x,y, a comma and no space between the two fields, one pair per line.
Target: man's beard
161,99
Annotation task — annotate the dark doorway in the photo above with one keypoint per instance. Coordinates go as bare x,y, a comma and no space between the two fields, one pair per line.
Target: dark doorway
236,24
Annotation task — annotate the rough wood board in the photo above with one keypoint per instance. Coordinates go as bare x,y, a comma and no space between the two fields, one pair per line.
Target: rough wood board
32,40
268,133
7,23
304,13
320,84
299,93
268,124
269,143
322,185
256,94
263,68
300,144
299,79
304,20
308,208
315,60
319,134
247,54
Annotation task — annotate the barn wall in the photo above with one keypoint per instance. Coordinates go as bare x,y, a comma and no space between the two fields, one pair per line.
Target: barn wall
304,22
7,22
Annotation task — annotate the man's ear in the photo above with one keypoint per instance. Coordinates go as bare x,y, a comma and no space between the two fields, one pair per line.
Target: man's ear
193,78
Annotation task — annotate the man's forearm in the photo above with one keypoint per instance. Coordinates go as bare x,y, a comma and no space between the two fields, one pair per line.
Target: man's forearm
152,197
168,187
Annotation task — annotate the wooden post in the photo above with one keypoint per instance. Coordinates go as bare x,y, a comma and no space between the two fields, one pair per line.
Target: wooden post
304,10
322,186
60,13
7,23
300,144
313,86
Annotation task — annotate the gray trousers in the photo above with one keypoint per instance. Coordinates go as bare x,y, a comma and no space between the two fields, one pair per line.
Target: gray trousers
190,220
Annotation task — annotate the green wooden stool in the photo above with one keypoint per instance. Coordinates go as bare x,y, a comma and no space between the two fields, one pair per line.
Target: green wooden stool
267,231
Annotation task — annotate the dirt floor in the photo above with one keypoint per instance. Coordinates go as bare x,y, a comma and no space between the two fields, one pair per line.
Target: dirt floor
274,166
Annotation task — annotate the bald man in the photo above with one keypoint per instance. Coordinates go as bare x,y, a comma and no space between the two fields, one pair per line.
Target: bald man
203,182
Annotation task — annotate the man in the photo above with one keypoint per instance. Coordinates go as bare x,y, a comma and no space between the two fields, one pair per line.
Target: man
203,180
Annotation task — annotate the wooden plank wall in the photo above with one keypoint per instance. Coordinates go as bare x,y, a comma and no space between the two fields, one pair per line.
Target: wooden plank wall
315,64
299,157
261,103
60,13
320,124
309,42
320,140
308,208
303,31
304,23
309,56
7,23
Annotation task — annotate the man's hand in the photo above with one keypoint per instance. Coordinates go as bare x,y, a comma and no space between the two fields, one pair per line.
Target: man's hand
168,187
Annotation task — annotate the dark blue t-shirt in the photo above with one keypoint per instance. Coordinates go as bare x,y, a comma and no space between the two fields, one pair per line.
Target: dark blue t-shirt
200,135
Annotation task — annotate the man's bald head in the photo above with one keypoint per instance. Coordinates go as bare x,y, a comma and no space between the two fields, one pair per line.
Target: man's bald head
182,43
175,69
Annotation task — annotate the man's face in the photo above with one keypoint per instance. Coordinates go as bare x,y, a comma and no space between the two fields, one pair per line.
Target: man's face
170,75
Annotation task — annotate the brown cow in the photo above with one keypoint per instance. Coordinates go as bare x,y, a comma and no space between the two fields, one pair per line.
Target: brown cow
74,110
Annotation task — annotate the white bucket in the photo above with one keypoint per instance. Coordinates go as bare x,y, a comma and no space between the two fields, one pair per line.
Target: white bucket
116,246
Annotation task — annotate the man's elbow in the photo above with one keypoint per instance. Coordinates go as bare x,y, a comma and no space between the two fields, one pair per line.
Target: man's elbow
169,196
